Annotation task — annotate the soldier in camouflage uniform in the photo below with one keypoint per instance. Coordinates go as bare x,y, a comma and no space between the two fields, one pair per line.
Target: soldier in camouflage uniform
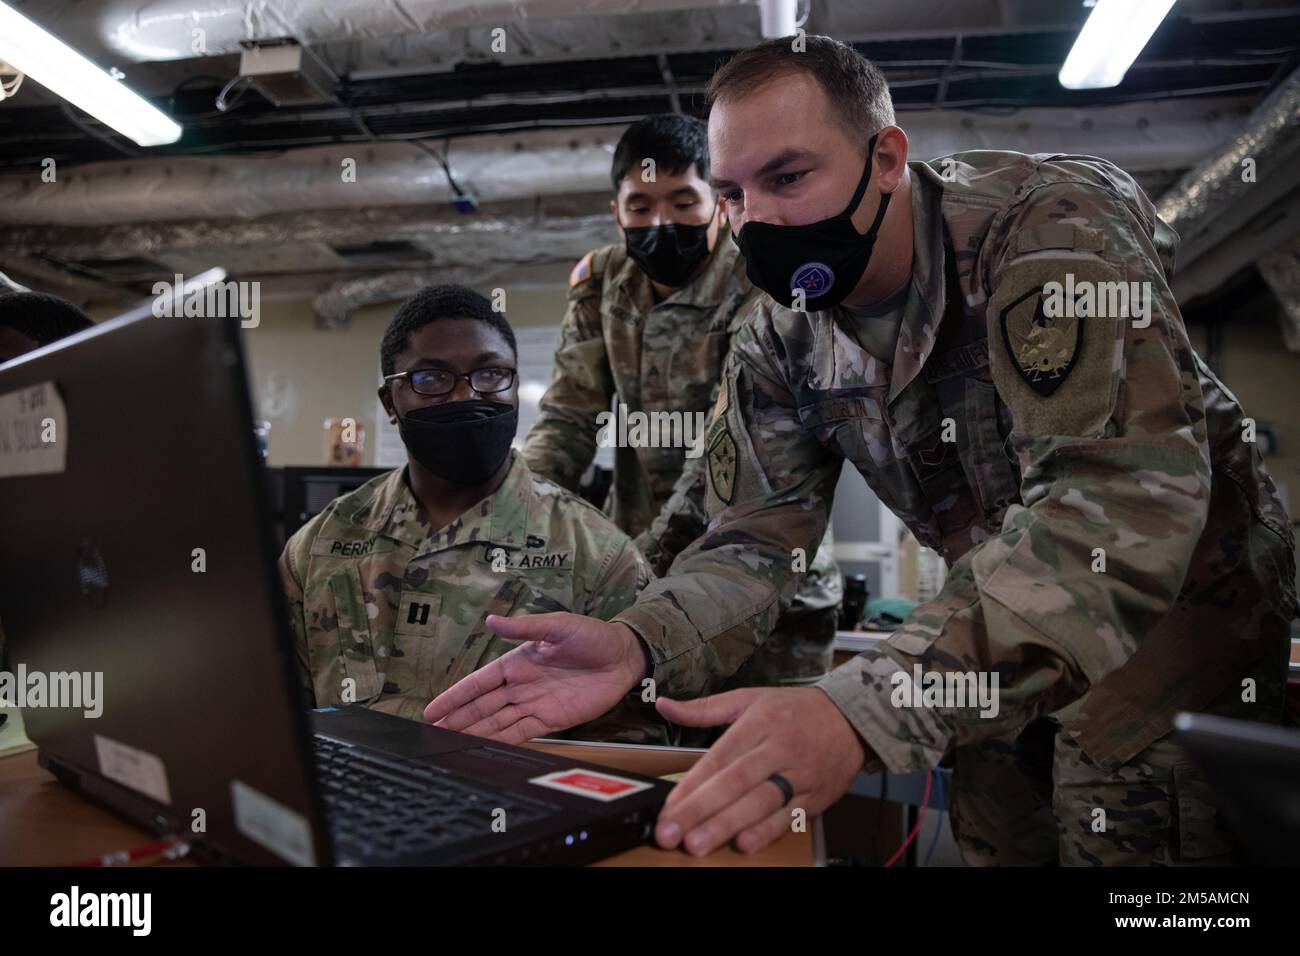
1117,551
389,595
650,320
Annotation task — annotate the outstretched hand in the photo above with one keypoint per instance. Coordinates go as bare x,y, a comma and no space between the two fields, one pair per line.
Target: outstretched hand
571,669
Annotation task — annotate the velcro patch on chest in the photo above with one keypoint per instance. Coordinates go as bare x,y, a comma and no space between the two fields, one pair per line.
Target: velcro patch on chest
959,361
842,408
349,547
505,559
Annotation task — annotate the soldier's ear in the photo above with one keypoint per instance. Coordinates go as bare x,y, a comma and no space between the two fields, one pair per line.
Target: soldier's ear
387,402
890,159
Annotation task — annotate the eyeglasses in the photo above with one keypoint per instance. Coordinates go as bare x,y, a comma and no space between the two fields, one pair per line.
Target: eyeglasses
437,381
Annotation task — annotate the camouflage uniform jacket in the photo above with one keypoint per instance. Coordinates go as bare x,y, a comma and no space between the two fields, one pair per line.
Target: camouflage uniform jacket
379,598
663,357
1117,552
657,357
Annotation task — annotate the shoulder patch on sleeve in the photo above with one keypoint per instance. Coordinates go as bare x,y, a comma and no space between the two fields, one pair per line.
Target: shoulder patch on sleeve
582,271
1056,330
724,464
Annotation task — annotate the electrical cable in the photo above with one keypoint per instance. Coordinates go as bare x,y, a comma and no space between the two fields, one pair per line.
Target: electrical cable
442,161
222,104
938,798
169,848
920,819
10,89
67,109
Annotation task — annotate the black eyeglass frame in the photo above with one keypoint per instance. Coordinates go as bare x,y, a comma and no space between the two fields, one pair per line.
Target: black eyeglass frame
456,377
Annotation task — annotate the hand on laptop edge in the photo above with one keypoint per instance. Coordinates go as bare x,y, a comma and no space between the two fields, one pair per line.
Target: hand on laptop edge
795,732
571,670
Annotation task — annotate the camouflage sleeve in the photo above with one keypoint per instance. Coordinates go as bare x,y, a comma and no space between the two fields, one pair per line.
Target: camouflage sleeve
1108,427
633,719
680,521
562,442
296,549
684,516
623,573
768,491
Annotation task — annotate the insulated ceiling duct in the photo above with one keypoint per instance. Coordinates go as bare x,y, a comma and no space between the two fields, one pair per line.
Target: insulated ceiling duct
1253,169
501,166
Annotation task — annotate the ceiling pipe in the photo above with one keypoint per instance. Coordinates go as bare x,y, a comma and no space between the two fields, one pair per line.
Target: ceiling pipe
339,176
153,30
511,166
1245,175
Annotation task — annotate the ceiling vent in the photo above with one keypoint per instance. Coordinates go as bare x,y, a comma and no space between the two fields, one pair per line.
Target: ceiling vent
122,269
384,254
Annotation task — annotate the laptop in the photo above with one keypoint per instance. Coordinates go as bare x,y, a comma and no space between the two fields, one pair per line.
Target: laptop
1256,770
137,547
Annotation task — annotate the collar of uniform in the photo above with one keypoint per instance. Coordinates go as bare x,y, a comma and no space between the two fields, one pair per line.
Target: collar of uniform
835,351
920,326
719,279
501,518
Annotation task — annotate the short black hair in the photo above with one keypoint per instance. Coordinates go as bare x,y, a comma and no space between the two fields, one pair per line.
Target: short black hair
436,302
42,318
675,142
858,91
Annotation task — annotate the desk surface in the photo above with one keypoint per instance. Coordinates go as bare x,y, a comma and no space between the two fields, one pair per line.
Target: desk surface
44,823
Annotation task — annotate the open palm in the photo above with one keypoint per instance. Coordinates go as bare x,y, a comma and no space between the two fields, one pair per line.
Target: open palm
571,669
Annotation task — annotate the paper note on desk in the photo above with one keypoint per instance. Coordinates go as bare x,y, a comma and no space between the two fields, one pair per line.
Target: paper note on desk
13,740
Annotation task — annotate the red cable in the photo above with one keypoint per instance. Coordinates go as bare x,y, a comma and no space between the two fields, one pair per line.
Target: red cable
168,849
920,818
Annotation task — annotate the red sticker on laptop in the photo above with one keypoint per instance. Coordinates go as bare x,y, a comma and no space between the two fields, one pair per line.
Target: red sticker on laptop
591,784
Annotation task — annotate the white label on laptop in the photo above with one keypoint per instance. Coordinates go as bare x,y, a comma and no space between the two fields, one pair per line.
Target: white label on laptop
33,431
134,768
269,822
591,783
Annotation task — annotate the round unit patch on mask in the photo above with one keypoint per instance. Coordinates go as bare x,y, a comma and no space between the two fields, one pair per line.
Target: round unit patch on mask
814,278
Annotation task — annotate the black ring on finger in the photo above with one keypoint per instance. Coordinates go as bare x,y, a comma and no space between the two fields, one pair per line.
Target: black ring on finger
787,791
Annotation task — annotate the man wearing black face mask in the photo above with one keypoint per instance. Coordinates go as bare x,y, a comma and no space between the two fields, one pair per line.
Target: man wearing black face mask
390,585
650,321
990,338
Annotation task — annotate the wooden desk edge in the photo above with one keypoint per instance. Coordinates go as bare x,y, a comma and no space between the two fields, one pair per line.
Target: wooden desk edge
43,822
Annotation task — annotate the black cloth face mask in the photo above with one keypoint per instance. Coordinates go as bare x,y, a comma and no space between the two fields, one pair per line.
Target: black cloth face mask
825,259
668,253
464,442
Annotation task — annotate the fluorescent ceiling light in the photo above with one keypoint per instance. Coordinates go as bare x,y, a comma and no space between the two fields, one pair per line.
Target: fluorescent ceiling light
62,70
1110,41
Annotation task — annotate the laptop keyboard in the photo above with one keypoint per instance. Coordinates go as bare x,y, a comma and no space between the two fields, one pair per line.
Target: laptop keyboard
380,806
